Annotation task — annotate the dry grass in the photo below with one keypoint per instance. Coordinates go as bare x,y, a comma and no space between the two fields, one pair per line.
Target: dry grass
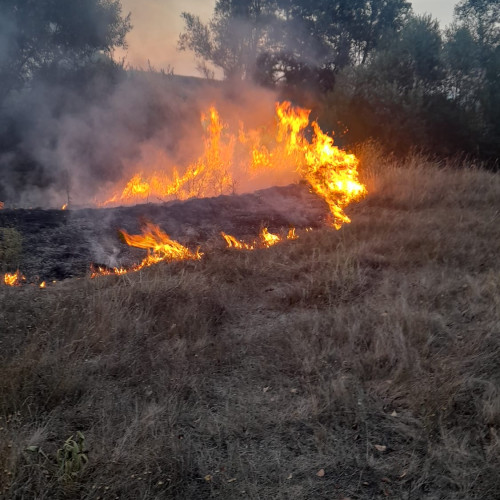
10,249
244,374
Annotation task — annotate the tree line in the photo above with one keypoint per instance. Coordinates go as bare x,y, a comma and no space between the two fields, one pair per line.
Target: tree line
371,66
370,69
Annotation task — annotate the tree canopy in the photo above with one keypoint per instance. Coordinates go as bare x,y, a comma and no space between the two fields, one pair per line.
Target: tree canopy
375,67
289,39
37,33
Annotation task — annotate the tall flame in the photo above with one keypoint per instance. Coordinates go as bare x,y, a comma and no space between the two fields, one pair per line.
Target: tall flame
331,172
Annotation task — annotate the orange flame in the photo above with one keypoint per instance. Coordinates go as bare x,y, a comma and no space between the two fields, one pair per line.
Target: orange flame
43,285
269,239
331,172
64,207
232,242
160,248
333,175
13,279
159,245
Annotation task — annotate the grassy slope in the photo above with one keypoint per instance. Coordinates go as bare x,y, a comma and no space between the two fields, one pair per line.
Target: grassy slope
261,368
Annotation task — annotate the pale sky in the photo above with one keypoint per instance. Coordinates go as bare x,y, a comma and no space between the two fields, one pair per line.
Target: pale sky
157,24
440,9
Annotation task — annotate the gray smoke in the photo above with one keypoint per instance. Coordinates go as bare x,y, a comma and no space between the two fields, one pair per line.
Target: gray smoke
82,142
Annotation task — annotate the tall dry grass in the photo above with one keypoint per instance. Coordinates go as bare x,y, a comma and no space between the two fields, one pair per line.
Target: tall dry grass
371,353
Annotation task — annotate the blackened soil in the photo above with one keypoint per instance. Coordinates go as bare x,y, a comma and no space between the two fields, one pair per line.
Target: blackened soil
61,244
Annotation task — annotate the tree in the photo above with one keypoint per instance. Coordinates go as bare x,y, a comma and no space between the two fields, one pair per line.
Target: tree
391,96
233,38
35,34
472,53
298,41
344,32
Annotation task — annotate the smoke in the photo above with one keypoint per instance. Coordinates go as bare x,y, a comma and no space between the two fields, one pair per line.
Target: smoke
69,142
75,135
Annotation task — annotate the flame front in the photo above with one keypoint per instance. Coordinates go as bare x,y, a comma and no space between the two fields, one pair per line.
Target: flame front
242,158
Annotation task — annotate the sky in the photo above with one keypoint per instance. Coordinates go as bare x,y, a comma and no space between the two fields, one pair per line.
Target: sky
157,24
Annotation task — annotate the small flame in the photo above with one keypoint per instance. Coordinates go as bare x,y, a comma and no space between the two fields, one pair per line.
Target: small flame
269,239
160,248
2,205
64,207
232,242
104,271
13,279
43,284
159,245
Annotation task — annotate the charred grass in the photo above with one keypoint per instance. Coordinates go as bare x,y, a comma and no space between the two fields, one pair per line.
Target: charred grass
372,353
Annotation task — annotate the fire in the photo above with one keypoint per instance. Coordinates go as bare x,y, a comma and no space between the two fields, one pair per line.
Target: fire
269,239
103,271
43,285
208,176
2,205
160,248
13,279
159,245
232,242
230,159
332,173
64,207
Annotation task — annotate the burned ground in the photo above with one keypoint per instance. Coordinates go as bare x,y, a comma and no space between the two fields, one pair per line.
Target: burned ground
59,244
360,363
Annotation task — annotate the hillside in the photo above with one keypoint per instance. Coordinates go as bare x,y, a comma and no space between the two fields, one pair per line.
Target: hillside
360,363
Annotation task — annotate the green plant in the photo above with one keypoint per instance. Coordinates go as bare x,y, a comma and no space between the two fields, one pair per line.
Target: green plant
72,457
